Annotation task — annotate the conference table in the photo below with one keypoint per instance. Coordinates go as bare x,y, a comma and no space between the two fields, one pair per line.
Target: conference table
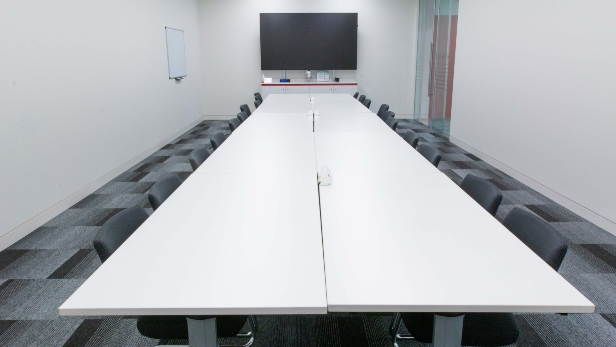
251,232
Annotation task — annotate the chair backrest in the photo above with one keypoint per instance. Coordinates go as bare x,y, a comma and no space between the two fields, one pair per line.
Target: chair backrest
382,109
242,116
117,230
430,153
538,235
217,139
161,190
258,96
362,98
388,114
199,155
244,108
234,123
392,122
257,104
484,192
356,95
367,103
411,138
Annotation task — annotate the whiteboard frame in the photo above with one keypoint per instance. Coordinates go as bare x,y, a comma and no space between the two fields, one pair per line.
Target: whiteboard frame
169,57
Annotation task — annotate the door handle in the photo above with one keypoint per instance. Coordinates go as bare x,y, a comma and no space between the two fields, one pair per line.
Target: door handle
431,65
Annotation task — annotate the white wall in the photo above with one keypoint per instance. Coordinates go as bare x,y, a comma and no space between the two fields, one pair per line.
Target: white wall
84,89
534,89
232,59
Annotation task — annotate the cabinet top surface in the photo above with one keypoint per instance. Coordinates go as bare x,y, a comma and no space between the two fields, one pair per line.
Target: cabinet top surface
310,83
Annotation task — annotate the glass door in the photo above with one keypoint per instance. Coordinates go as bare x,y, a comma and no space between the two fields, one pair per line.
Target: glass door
437,33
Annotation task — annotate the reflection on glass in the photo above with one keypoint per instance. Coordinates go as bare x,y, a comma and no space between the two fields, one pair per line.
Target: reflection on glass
436,45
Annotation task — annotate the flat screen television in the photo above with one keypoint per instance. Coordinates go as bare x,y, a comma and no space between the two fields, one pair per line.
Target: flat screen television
308,41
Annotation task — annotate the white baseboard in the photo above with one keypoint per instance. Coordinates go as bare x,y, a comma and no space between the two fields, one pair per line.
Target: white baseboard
32,224
582,211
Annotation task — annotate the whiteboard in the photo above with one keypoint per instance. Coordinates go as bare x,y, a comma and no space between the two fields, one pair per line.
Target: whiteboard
175,53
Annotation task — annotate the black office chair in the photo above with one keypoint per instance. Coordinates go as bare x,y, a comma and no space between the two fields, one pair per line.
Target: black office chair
392,123
244,108
161,190
538,235
367,103
258,97
483,192
479,329
257,104
382,109
176,328
411,138
217,139
430,153
387,114
496,329
234,123
242,116
112,235
356,95
117,230
199,155
362,98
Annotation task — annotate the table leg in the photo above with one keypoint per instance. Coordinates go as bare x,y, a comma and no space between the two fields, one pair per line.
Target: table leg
447,331
202,332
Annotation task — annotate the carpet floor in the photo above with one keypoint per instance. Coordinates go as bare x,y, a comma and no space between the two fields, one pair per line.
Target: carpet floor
39,272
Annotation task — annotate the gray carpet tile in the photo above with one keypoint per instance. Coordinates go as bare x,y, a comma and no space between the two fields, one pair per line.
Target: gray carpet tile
74,237
44,268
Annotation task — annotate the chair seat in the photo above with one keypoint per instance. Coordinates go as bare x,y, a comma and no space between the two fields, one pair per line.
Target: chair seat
176,328
480,329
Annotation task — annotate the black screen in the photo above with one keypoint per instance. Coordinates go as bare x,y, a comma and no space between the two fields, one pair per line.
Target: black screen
308,41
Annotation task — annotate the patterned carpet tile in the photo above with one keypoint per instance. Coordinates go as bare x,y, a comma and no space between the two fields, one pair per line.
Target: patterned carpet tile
39,272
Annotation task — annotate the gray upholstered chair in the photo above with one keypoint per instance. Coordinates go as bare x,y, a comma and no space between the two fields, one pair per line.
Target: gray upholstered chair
117,230
257,104
258,97
362,98
112,235
199,155
484,192
242,116
430,153
367,103
392,123
382,109
244,108
176,327
495,329
161,190
387,114
538,235
217,139
411,138
234,123
356,95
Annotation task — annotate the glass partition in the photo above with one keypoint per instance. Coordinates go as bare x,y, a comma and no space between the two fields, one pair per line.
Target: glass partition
436,45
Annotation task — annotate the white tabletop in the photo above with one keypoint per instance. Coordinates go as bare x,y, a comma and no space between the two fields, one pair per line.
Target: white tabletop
221,244
277,123
368,151
254,152
351,122
284,107
352,106
418,243
296,98
333,97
